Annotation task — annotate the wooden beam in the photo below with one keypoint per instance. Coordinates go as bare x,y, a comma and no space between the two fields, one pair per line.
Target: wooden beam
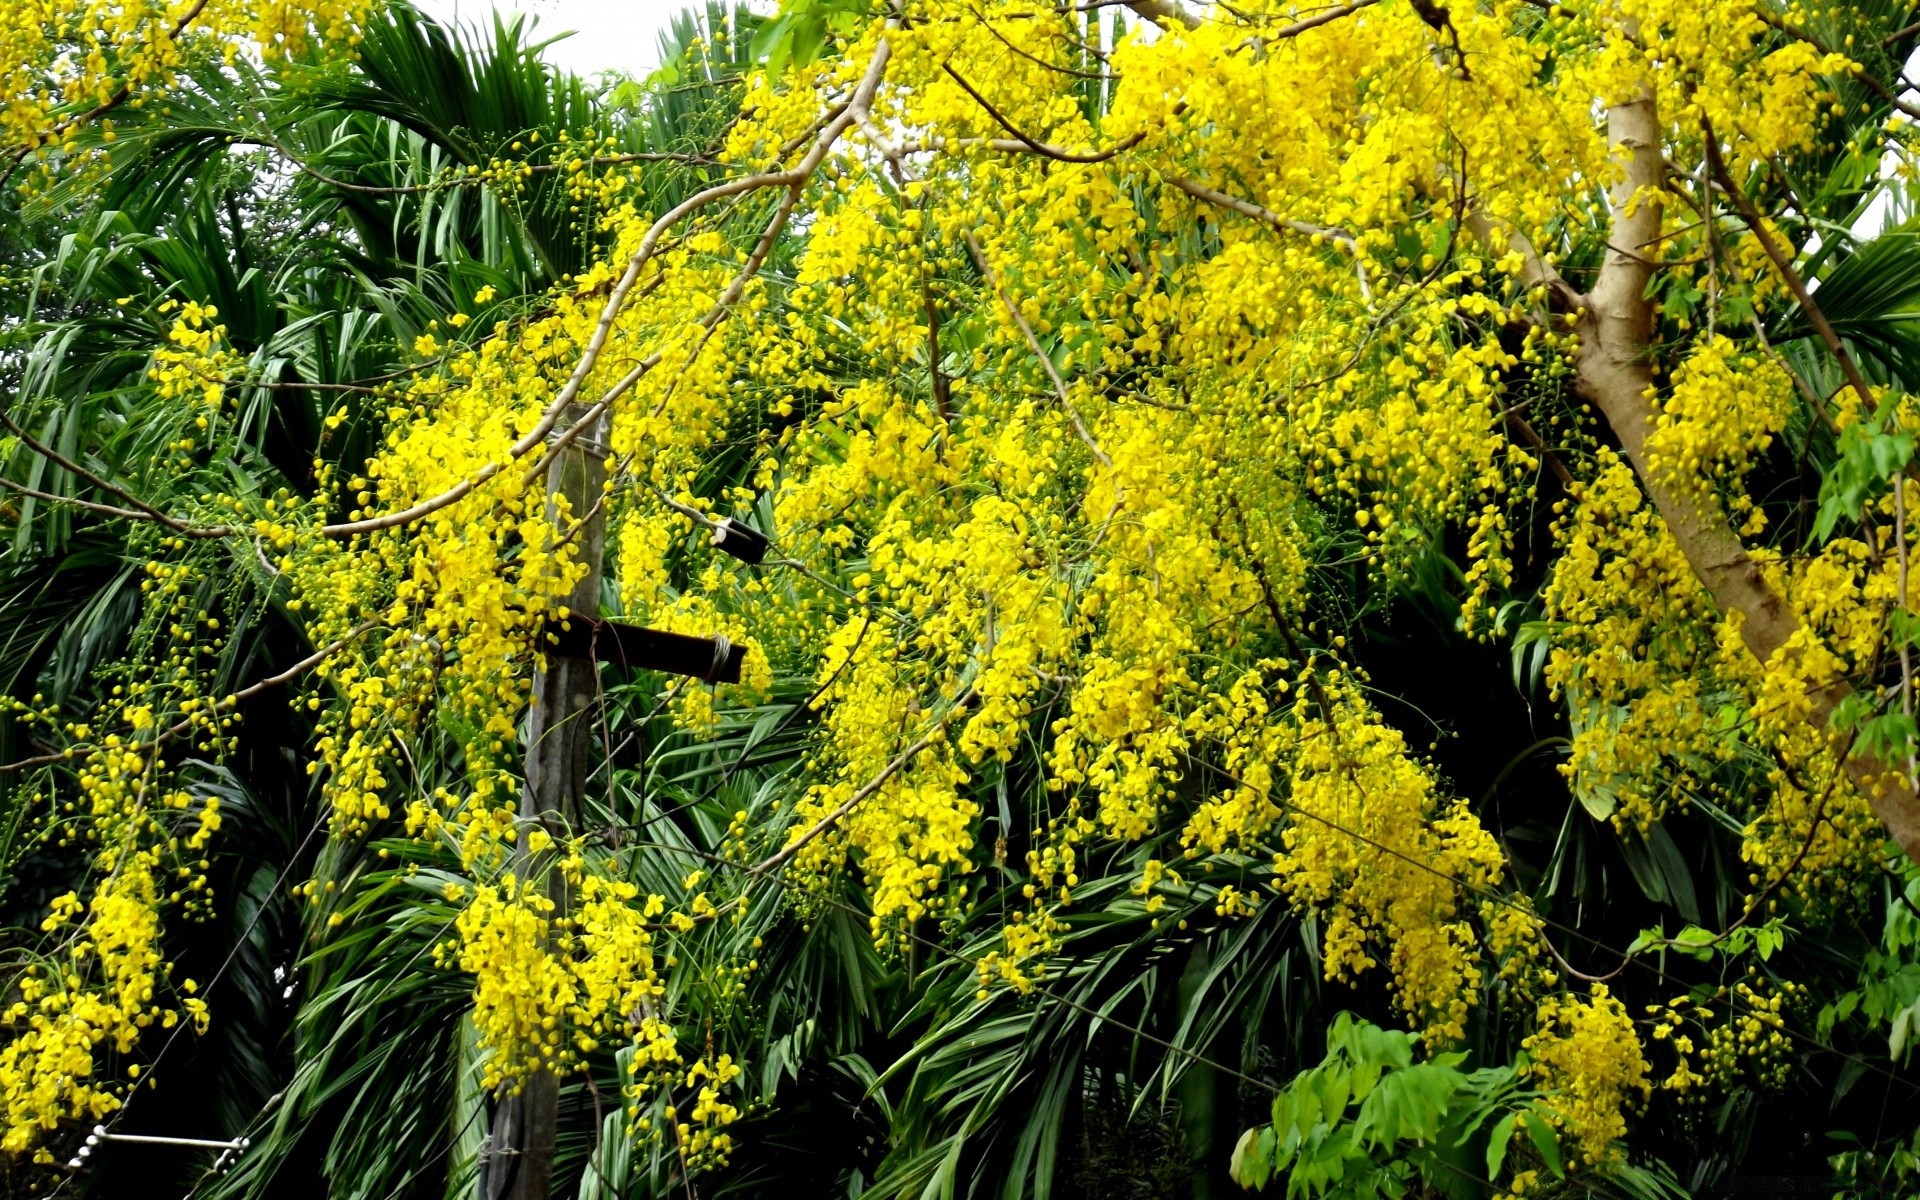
712,659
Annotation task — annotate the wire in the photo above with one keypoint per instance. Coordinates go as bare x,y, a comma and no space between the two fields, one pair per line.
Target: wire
258,912
279,1097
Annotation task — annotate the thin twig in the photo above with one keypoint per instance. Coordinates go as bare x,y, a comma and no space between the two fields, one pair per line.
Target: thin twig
1033,341
779,858
108,509
221,705
1339,237
147,511
1784,265
1038,147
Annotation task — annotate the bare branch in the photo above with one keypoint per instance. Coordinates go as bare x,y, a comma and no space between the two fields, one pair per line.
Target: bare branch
1169,14
1537,271
779,858
105,509
1317,19
1783,264
1247,208
223,704
1043,148
986,23
461,179
1338,237
1532,436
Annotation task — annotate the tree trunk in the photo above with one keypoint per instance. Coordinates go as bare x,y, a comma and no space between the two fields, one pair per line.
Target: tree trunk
1616,327
518,1164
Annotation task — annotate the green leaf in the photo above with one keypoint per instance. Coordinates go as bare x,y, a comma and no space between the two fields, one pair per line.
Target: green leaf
1868,458
1695,942
1334,1094
1497,1144
1251,1161
774,43
1546,1143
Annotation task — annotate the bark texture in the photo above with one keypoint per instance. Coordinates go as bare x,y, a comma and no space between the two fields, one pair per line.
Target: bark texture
518,1164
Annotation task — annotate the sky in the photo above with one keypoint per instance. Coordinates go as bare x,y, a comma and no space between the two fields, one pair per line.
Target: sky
610,34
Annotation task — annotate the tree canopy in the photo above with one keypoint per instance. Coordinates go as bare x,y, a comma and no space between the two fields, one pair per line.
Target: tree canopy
1268,595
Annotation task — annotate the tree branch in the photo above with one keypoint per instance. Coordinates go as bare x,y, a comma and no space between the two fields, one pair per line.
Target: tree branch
1537,271
1317,19
1247,208
221,705
1042,148
780,857
1784,265
147,512
106,106
1168,14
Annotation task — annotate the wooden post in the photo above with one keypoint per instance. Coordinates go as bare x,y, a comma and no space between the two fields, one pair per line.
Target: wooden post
518,1163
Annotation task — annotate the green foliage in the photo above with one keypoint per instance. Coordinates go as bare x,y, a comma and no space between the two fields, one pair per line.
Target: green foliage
1869,457
1371,1121
803,29
1887,994
1762,939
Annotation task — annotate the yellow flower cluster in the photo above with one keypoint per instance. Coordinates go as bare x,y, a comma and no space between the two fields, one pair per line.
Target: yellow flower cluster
1077,560
1638,654
546,986
83,1001
1665,702
65,62
1377,853
1709,59
99,991
1587,1058
439,622
1716,1048
1723,412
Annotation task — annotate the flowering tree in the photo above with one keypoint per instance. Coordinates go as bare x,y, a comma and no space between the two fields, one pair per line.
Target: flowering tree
70,64
1098,385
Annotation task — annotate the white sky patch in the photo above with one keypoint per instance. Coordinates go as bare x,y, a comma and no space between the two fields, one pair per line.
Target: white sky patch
608,35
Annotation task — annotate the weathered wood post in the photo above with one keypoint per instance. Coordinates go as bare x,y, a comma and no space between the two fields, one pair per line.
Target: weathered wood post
518,1163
